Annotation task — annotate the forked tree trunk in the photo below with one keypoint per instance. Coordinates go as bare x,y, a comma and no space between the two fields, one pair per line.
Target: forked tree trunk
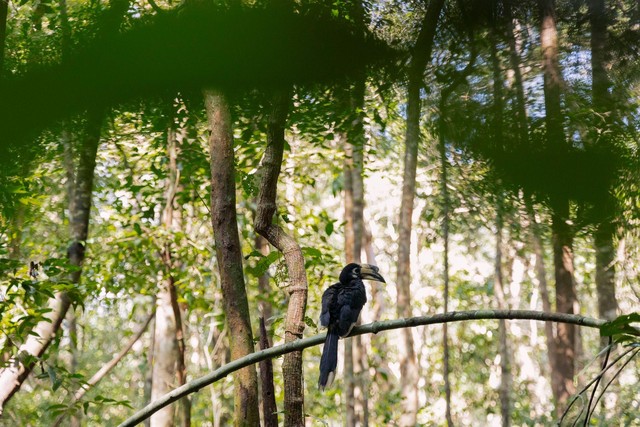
297,286
229,255
562,233
420,57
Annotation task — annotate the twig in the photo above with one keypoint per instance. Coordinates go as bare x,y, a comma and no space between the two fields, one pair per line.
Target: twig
595,387
615,375
375,327
586,387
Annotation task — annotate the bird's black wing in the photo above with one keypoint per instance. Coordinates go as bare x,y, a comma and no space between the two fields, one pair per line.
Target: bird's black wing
329,300
350,301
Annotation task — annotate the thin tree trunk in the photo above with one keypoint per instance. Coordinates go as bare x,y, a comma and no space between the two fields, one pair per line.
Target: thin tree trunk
229,255
541,276
17,370
562,234
168,355
72,326
264,304
350,244
498,107
297,287
515,62
562,237
505,365
355,397
148,378
445,269
269,406
165,355
605,229
420,57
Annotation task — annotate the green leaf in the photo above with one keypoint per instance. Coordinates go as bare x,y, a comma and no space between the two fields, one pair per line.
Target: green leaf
311,252
621,325
263,265
310,323
137,228
329,228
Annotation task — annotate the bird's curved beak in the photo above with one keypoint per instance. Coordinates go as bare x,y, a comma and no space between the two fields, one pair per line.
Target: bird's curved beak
370,272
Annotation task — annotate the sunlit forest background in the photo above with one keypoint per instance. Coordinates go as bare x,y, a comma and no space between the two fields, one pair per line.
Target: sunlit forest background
482,153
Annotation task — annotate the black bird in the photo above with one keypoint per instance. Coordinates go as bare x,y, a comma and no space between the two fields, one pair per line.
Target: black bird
341,305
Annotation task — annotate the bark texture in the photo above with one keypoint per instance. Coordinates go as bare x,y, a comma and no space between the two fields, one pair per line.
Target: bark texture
297,286
420,57
229,256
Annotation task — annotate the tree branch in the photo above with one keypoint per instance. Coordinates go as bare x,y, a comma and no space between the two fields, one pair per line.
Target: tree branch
375,327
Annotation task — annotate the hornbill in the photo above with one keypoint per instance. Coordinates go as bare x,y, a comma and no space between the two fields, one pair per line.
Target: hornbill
341,305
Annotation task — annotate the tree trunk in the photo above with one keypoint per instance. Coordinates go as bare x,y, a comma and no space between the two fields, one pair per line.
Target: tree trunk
505,365
445,267
269,406
541,276
264,303
515,62
562,234
420,57
562,237
148,377
229,255
353,140
17,370
498,134
605,229
297,286
168,365
165,353
350,244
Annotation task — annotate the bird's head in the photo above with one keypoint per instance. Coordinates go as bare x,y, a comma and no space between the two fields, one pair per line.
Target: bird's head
355,271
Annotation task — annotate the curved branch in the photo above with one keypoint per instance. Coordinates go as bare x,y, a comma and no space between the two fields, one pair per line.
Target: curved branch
375,327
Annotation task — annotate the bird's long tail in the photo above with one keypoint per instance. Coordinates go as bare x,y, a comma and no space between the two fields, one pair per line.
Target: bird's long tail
329,360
